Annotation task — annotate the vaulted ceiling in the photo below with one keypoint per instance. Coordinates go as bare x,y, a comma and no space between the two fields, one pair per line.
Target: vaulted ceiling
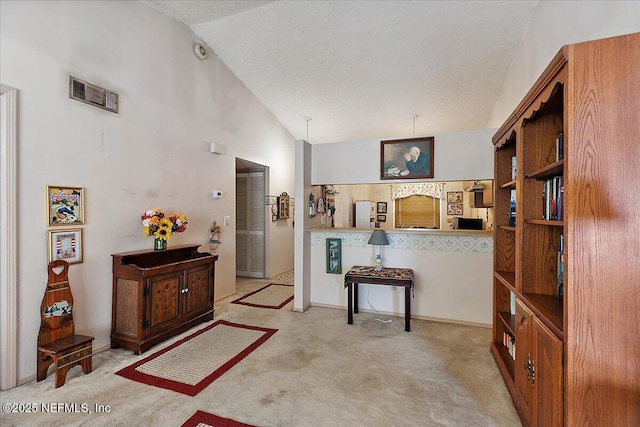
362,69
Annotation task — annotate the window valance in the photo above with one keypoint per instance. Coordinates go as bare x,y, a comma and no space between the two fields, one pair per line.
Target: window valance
432,189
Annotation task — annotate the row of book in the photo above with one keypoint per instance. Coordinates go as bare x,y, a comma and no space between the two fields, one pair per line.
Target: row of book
509,342
553,198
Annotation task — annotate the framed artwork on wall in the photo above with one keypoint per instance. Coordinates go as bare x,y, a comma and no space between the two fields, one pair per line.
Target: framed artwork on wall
410,158
382,207
454,209
66,244
382,218
334,256
454,196
65,205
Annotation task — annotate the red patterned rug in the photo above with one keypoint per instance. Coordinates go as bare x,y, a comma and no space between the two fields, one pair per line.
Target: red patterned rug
274,296
205,419
191,364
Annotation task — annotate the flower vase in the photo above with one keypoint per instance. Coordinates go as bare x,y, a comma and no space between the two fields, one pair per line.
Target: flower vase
159,244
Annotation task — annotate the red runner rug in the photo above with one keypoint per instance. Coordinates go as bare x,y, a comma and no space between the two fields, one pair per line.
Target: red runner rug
188,366
273,296
205,419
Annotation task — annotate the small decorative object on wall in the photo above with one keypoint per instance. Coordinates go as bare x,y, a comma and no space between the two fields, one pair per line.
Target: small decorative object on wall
382,218
274,211
334,256
454,196
161,227
65,205
382,207
214,237
283,206
66,245
454,209
407,158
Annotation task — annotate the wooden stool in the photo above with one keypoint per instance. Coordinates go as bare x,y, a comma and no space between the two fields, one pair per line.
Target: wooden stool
57,341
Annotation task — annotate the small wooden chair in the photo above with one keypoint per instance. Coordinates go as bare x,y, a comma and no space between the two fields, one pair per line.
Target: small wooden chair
57,341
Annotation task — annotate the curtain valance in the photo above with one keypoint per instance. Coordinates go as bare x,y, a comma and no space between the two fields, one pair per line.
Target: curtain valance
433,189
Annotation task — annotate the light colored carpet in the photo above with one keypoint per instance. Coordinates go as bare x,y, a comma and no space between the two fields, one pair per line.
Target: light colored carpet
316,371
274,296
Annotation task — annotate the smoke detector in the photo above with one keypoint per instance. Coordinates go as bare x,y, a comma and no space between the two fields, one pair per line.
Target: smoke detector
200,51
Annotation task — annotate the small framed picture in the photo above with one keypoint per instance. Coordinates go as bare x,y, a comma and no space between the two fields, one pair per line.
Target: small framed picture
382,207
382,218
454,196
65,244
65,205
454,209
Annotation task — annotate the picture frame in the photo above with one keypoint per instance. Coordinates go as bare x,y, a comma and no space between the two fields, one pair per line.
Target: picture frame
382,218
334,255
454,209
65,205
382,207
454,196
410,158
66,244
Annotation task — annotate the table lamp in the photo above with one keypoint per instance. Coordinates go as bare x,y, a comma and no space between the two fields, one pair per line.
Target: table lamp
379,237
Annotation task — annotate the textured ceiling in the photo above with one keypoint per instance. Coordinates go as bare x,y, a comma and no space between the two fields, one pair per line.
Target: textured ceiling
361,69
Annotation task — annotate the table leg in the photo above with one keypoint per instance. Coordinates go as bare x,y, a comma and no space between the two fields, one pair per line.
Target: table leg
355,297
407,308
349,304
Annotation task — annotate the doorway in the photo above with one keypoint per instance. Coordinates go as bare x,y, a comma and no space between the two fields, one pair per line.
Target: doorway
251,186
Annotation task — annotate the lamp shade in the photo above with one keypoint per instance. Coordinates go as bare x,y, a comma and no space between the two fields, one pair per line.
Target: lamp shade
379,237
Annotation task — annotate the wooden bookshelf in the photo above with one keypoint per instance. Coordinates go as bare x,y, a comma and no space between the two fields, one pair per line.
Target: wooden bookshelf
585,367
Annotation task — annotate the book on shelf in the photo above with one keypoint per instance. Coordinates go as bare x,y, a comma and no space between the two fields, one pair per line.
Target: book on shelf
509,342
552,198
560,147
513,168
560,284
512,209
512,303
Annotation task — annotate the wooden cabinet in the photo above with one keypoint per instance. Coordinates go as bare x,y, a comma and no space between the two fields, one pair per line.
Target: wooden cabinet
158,294
572,142
538,373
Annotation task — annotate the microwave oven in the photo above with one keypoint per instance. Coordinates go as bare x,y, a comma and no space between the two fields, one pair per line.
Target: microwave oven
467,223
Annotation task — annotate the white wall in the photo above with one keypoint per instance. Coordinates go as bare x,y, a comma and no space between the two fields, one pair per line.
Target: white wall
555,24
154,153
458,156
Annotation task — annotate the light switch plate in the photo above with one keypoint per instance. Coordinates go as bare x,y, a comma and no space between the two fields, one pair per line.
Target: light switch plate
227,220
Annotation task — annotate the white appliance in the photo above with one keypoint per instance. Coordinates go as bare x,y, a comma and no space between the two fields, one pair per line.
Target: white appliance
364,214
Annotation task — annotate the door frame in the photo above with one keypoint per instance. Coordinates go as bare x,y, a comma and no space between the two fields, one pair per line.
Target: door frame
8,237
246,166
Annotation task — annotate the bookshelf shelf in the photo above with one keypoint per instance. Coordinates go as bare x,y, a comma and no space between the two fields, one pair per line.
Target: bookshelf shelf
508,278
508,320
552,223
508,185
548,308
507,228
554,169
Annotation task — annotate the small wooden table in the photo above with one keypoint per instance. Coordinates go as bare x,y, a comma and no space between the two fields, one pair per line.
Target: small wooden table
386,276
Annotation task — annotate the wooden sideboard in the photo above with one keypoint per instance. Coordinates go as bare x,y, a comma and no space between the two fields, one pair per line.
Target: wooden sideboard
159,294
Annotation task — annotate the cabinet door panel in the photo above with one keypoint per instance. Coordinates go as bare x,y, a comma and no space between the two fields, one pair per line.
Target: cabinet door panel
524,354
164,308
548,377
198,295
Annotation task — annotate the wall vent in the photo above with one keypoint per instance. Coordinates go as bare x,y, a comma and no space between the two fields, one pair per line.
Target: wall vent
93,95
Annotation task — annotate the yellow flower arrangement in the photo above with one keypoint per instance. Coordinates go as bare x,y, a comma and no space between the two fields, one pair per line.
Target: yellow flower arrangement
157,225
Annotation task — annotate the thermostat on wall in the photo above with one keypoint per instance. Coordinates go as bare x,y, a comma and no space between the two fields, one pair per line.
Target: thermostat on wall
216,194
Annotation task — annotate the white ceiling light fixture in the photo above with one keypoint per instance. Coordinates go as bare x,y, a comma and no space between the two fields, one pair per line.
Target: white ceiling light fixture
200,51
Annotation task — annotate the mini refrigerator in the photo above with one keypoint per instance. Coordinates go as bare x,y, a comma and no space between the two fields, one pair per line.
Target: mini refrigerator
364,214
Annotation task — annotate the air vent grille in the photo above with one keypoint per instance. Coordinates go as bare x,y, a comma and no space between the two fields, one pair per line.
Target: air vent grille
93,95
